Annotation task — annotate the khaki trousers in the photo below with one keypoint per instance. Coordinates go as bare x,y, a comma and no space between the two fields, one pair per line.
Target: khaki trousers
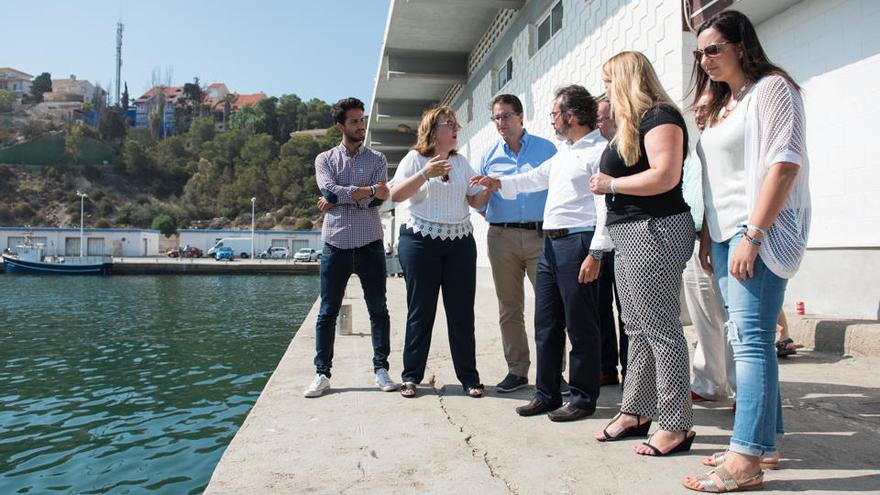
513,254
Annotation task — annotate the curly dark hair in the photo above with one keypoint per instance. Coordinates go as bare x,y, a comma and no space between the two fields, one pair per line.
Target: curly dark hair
343,106
576,100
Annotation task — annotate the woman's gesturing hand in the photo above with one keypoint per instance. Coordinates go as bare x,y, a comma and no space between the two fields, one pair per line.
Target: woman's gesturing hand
437,167
489,183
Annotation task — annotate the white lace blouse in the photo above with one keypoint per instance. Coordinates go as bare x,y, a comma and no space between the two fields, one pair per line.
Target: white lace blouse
775,131
438,209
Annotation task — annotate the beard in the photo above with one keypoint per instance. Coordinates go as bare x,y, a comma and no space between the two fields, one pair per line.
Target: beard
562,132
355,137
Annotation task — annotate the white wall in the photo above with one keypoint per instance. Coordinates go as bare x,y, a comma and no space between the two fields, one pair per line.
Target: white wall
592,32
832,49
116,242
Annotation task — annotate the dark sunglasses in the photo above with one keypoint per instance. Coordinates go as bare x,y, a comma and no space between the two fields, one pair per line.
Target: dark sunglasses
712,50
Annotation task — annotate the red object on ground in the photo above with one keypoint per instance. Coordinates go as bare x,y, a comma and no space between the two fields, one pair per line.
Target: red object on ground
800,307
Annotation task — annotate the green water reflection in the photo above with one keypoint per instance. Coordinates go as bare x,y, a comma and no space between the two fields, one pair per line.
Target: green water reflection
134,384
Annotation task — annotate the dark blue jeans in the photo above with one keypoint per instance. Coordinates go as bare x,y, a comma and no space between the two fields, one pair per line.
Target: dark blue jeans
562,303
430,265
337,265
611,353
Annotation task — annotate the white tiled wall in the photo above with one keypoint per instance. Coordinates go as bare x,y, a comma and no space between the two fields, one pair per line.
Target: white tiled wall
593,31
832,49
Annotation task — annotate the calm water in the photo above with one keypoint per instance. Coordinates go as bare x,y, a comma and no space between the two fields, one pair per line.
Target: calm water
134,384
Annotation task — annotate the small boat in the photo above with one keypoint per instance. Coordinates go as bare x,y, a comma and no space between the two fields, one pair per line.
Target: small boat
29,258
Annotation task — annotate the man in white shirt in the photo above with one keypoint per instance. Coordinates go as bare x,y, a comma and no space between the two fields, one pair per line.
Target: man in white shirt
566,294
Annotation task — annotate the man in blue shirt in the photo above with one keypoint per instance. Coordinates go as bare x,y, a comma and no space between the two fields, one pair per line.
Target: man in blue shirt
514,238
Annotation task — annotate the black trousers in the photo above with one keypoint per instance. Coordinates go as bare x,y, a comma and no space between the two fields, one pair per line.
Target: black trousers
429,266
608,296
562,303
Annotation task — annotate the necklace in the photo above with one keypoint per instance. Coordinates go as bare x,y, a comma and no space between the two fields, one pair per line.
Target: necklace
731,105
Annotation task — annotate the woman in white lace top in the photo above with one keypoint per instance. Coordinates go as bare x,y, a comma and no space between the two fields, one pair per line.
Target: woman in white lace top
757,198
437,248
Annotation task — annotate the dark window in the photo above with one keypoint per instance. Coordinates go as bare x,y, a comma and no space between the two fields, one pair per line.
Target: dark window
550,25
505,73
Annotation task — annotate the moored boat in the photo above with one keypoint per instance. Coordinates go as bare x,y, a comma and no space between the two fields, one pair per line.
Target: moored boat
29,258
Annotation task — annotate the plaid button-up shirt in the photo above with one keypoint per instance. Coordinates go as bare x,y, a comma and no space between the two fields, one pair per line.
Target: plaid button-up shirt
350,224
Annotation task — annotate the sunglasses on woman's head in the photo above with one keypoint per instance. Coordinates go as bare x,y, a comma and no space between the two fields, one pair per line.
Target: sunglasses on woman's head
712,50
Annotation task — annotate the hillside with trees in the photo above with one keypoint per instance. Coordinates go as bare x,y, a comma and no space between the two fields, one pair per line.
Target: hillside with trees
198,178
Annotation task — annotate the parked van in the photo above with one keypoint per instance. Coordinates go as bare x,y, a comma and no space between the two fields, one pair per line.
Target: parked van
241,246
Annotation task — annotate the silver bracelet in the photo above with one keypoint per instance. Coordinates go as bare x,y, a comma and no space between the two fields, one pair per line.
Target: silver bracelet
423,174
611,187
756,229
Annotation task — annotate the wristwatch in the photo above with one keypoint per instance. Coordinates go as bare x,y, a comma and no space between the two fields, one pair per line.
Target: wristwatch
597,254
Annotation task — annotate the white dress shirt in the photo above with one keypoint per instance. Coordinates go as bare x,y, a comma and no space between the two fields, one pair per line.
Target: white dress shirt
570,203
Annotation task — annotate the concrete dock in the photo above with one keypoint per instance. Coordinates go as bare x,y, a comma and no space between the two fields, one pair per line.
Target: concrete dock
357,439
178,266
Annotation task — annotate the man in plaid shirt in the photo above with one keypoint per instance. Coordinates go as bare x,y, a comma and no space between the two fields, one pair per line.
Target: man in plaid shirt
352,180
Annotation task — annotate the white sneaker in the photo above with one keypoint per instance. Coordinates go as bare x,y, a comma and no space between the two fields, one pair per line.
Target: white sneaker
320,384
385,383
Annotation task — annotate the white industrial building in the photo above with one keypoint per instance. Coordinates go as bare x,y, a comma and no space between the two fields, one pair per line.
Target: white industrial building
98,242
464,52
294,240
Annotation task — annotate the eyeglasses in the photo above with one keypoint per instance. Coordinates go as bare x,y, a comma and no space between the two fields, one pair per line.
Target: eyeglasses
554,114
712,50
450,124
503,116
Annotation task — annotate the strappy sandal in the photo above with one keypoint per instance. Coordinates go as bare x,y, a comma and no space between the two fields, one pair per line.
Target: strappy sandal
408,390
640,430
783,349
475,392
682,446
728,484
717,459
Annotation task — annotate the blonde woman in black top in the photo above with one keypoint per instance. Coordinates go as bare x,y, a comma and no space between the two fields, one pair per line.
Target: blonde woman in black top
653,234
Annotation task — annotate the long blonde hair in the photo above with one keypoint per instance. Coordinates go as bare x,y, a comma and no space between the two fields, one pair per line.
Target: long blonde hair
635,90
426,141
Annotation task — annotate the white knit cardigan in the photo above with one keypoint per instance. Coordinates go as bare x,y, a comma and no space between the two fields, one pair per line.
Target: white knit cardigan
776,132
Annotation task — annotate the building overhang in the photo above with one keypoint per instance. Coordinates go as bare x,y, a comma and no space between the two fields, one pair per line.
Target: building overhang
424,52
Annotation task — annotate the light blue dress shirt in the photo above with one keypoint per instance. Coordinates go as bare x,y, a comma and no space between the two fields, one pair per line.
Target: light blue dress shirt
692,184
500,160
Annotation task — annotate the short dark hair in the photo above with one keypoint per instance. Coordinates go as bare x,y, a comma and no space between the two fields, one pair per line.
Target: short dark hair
343,106
505,99
576,100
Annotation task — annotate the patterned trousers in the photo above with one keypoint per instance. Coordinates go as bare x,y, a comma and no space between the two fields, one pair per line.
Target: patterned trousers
650,258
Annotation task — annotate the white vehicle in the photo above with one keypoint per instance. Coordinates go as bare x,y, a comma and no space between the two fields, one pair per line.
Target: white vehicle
241,246
275,253
307,254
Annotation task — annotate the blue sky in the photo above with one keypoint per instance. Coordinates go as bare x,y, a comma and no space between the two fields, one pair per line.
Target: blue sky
327,49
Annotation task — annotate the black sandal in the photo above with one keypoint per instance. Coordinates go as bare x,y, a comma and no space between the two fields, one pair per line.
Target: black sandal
640,430
682,446
475,392
783,349
408,390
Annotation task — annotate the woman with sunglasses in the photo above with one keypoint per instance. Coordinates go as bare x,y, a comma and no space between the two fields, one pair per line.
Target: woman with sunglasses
437,248
653,234
757,199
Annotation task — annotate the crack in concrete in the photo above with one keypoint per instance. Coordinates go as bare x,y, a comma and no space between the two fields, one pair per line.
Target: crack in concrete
476,452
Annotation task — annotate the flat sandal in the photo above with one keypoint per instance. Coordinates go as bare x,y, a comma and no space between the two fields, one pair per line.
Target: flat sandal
717,459
728,484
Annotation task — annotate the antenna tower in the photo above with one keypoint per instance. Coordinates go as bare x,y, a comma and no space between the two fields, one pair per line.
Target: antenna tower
119,28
